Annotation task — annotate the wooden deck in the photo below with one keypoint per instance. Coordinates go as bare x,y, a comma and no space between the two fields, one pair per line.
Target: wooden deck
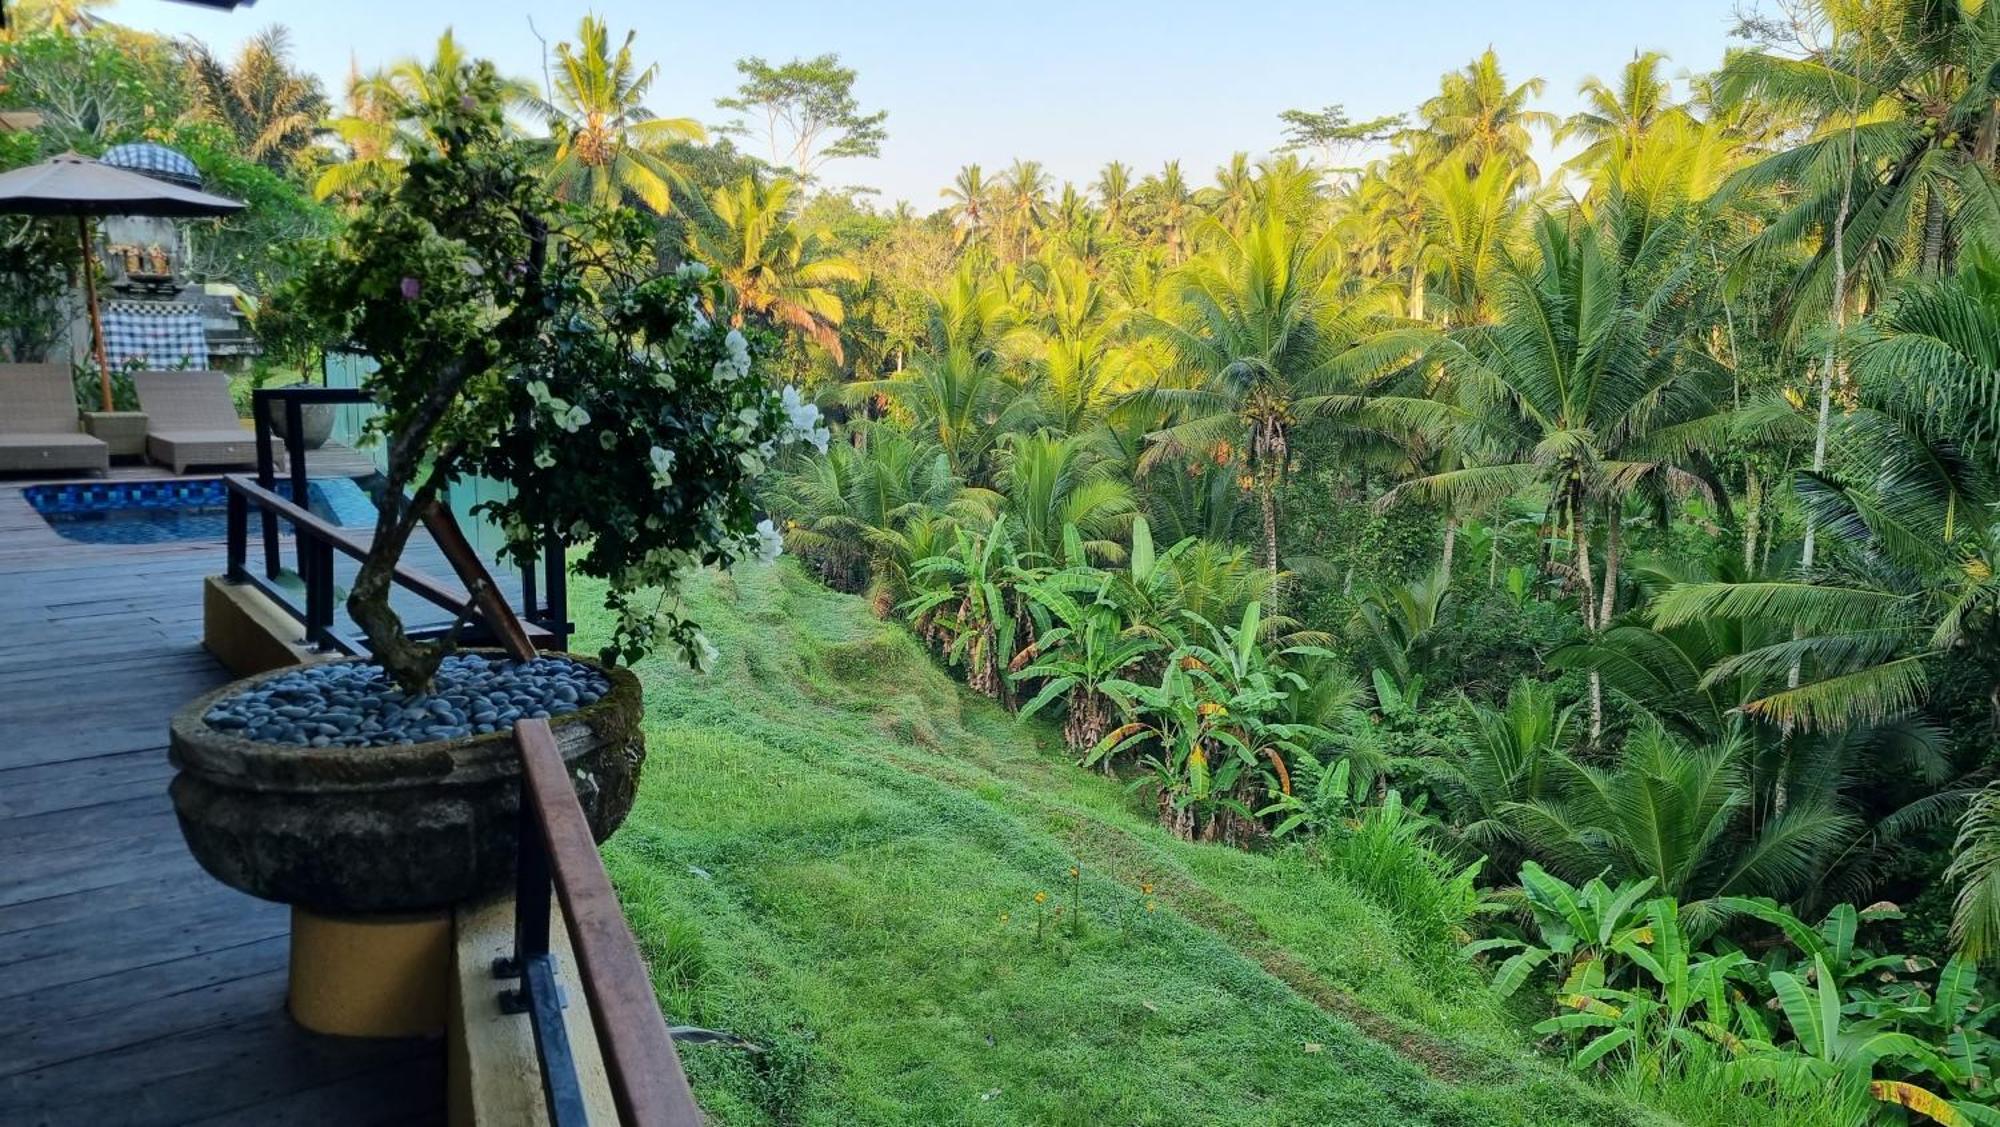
137,989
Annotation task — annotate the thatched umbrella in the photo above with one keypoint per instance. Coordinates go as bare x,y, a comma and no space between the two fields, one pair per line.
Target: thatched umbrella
75,185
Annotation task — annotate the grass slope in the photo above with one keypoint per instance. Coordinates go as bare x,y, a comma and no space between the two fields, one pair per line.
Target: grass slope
835,854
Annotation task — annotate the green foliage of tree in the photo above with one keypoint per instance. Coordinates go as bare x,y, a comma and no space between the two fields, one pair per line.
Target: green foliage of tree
809,111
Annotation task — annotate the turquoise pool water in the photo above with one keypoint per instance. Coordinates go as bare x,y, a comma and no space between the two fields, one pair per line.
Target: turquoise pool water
157,512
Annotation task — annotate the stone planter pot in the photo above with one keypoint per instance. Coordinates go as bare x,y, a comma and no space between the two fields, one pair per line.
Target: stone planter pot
316,418
405,828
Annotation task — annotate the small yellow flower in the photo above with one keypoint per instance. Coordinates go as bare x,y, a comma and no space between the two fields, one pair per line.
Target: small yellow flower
1005,916
1152,905
1074,872
1040,897
1146,889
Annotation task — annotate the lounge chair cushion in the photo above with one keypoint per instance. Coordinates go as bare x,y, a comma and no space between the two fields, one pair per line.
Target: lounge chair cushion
43,452
191,421
183,448
38,422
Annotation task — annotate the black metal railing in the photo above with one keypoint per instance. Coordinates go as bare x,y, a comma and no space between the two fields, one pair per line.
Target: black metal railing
544,605
556,851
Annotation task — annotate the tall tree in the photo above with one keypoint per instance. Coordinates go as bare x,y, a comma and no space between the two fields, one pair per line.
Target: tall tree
1256,326
809,112
1332,134
273,110
604,145
1023,194
1477,118
783,276
974,202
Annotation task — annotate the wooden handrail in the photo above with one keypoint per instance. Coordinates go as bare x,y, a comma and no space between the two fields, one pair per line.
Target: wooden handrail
647,1083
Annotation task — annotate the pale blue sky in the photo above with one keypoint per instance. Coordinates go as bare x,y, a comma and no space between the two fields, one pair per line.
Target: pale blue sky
1070,84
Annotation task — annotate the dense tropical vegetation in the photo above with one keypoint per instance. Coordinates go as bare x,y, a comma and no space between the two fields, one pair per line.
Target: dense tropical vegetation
1592,567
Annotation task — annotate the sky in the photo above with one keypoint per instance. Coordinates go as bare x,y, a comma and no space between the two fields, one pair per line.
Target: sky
1072,85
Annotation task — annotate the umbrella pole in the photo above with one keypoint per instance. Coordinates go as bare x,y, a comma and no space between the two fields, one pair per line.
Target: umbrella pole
90,299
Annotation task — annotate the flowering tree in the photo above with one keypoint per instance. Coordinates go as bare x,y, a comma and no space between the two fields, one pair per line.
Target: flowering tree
539,344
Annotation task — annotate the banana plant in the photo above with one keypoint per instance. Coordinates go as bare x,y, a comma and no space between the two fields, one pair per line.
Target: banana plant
1086,645
1656,1015
1831,941
1826,1047
1578,927
967,593
1217,724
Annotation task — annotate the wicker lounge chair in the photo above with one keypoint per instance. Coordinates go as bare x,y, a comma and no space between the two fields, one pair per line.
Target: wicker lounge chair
38,422
190,420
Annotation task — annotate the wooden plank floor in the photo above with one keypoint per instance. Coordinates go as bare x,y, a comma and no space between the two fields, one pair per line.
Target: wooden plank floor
137,989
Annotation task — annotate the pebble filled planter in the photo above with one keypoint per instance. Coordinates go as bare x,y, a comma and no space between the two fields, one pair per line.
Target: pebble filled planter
409,803
345,704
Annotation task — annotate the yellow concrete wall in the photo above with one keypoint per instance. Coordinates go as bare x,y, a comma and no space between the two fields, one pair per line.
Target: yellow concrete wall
495,1076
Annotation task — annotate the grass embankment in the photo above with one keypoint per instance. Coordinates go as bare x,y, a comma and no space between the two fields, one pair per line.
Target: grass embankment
835,854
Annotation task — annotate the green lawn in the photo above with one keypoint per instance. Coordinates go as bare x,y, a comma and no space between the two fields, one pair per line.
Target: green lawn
835,854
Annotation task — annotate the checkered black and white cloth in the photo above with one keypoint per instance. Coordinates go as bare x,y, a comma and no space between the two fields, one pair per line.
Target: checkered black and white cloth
157,161
160,335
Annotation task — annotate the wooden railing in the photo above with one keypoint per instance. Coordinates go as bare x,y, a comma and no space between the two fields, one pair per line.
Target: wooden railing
544,596
556,849
318,541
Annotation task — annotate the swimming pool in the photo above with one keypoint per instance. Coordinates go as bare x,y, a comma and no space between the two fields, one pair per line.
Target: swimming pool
157,512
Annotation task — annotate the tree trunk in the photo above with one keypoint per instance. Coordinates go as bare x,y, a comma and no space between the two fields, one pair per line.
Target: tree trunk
1493,560
1450,547
1416,302
1268,499
1612,537
1753,496
1588,606
1827,370
1934,217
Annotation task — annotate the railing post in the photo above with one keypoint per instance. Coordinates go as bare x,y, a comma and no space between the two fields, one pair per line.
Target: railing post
239,534
267,478
316,567
555,583
295,448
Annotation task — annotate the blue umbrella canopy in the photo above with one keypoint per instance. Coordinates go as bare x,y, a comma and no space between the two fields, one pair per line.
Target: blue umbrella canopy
156,161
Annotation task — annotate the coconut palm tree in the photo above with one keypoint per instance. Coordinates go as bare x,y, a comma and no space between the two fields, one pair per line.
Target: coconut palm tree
1115,193
1615,119
1234,191
1472,223
1900,153
972,205
1057,483
373,135
867,511
1910,509
1588,387
1077,354
1257,326
604,145
1023,194
1477,118
273,110
782,275
1170,209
